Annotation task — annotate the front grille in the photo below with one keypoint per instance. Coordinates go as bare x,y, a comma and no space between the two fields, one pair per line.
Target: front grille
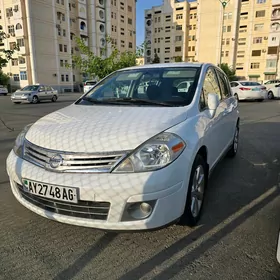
83,209
72,162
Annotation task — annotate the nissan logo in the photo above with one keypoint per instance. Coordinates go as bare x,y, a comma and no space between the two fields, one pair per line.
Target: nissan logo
56,161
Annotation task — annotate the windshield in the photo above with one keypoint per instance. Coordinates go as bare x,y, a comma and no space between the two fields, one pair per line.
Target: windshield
250,84
153,86
30,88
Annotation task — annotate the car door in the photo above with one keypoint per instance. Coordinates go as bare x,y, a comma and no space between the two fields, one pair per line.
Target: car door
230,104
42,93
214,136
50,92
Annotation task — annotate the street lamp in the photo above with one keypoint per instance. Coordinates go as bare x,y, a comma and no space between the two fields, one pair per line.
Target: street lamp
224,4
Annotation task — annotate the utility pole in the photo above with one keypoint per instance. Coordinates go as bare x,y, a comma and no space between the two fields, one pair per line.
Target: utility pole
224,4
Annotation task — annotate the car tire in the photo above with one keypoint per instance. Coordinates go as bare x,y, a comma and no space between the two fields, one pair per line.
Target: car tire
236,96
270,95
235,143
196,193
35,99
17,102
5,94
260,100
54,98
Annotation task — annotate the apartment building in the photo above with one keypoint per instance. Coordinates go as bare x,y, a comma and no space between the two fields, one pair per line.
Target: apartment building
45,32
170,31
244,34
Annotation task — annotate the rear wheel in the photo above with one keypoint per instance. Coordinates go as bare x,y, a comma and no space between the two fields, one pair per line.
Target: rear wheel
236,96
196,189
270,95
54,98
235,143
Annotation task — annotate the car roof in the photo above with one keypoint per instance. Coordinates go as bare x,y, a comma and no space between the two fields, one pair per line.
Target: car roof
164,65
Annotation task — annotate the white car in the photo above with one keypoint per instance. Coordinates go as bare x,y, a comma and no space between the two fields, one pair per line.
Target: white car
271,83
247,90
274,91
3,90
129,163
88,85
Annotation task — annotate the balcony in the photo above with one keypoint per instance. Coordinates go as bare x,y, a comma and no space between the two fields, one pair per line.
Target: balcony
18,30
22,51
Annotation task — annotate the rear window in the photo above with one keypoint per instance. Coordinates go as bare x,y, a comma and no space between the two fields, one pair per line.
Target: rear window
90,83
248,84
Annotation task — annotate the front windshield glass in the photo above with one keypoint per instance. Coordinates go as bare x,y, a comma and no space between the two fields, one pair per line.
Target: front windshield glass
30,88
152,86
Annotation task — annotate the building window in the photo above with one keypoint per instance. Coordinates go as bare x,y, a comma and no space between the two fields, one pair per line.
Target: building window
256,53
65,48
179,16
18,26
14,62
178,49
261,1
61,63
74,78
130,45
9,12
64,32
60,48
193,48
82,25
225,16
257,40
229,15
23,75
62,2
12,45
243,29
129,8
129,21
62,78
16,77
21,60
228,41
227,52
20,42
260,14
255,65
272,50
179,27
229,28
67,78
258,27
178,38
271,63
269,77
11,29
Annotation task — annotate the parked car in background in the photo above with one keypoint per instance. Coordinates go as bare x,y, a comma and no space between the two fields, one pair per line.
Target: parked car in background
271,83
88,85
274,91
135,161
247,90
3,90
34,94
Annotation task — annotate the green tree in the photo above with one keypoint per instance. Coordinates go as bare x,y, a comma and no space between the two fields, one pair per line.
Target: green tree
156,59
229,71
178,59
101,66
4,78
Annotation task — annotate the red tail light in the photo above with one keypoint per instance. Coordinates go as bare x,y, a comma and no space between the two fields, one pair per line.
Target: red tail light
263,88
244,88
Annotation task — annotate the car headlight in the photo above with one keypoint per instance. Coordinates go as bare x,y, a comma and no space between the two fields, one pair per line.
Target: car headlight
154,154
18,146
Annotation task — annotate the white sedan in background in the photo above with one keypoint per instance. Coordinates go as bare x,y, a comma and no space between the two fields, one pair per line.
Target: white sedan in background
247,90
3,90
274,91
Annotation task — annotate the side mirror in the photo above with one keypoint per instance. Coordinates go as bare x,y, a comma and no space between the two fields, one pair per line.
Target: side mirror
213,103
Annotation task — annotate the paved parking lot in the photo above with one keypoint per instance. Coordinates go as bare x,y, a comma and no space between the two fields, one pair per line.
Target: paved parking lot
236,238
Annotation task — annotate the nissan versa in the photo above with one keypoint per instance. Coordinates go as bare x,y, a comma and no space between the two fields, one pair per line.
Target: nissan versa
132,153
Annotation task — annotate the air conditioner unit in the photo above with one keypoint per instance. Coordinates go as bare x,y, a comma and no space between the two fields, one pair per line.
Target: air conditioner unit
13,34
8,35
15,10
265,38
264,51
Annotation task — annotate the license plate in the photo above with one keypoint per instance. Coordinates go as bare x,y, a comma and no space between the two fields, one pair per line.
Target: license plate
256,89
51,191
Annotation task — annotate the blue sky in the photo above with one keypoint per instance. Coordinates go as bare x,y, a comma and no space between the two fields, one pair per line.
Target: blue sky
141,6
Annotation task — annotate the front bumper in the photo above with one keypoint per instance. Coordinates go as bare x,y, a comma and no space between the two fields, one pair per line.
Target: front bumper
20,98
168,187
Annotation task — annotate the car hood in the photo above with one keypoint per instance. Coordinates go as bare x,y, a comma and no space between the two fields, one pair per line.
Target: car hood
22,92
80,128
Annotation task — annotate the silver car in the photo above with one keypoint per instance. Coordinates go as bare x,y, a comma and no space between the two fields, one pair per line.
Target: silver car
34,94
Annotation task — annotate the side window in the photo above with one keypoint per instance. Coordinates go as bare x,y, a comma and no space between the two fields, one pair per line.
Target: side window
223,84
42,88
49,89
211,85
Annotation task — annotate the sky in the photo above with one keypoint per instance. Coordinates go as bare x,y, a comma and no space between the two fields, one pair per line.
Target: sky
141,6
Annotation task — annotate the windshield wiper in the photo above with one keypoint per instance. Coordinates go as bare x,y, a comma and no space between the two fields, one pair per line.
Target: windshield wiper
137,101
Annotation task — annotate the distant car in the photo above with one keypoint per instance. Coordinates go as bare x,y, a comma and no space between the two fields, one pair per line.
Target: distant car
274,91
3,90
34,94
88,85
247,90
271,83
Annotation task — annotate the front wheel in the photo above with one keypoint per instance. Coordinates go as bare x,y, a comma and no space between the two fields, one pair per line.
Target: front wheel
270,95
35,99
54,98
235,143
196,189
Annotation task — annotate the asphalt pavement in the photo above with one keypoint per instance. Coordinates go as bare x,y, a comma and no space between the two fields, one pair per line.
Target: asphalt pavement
235,239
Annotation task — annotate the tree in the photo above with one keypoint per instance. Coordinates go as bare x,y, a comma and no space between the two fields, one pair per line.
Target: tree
178,59
4,78
8,54
229,71
156,59
101,66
